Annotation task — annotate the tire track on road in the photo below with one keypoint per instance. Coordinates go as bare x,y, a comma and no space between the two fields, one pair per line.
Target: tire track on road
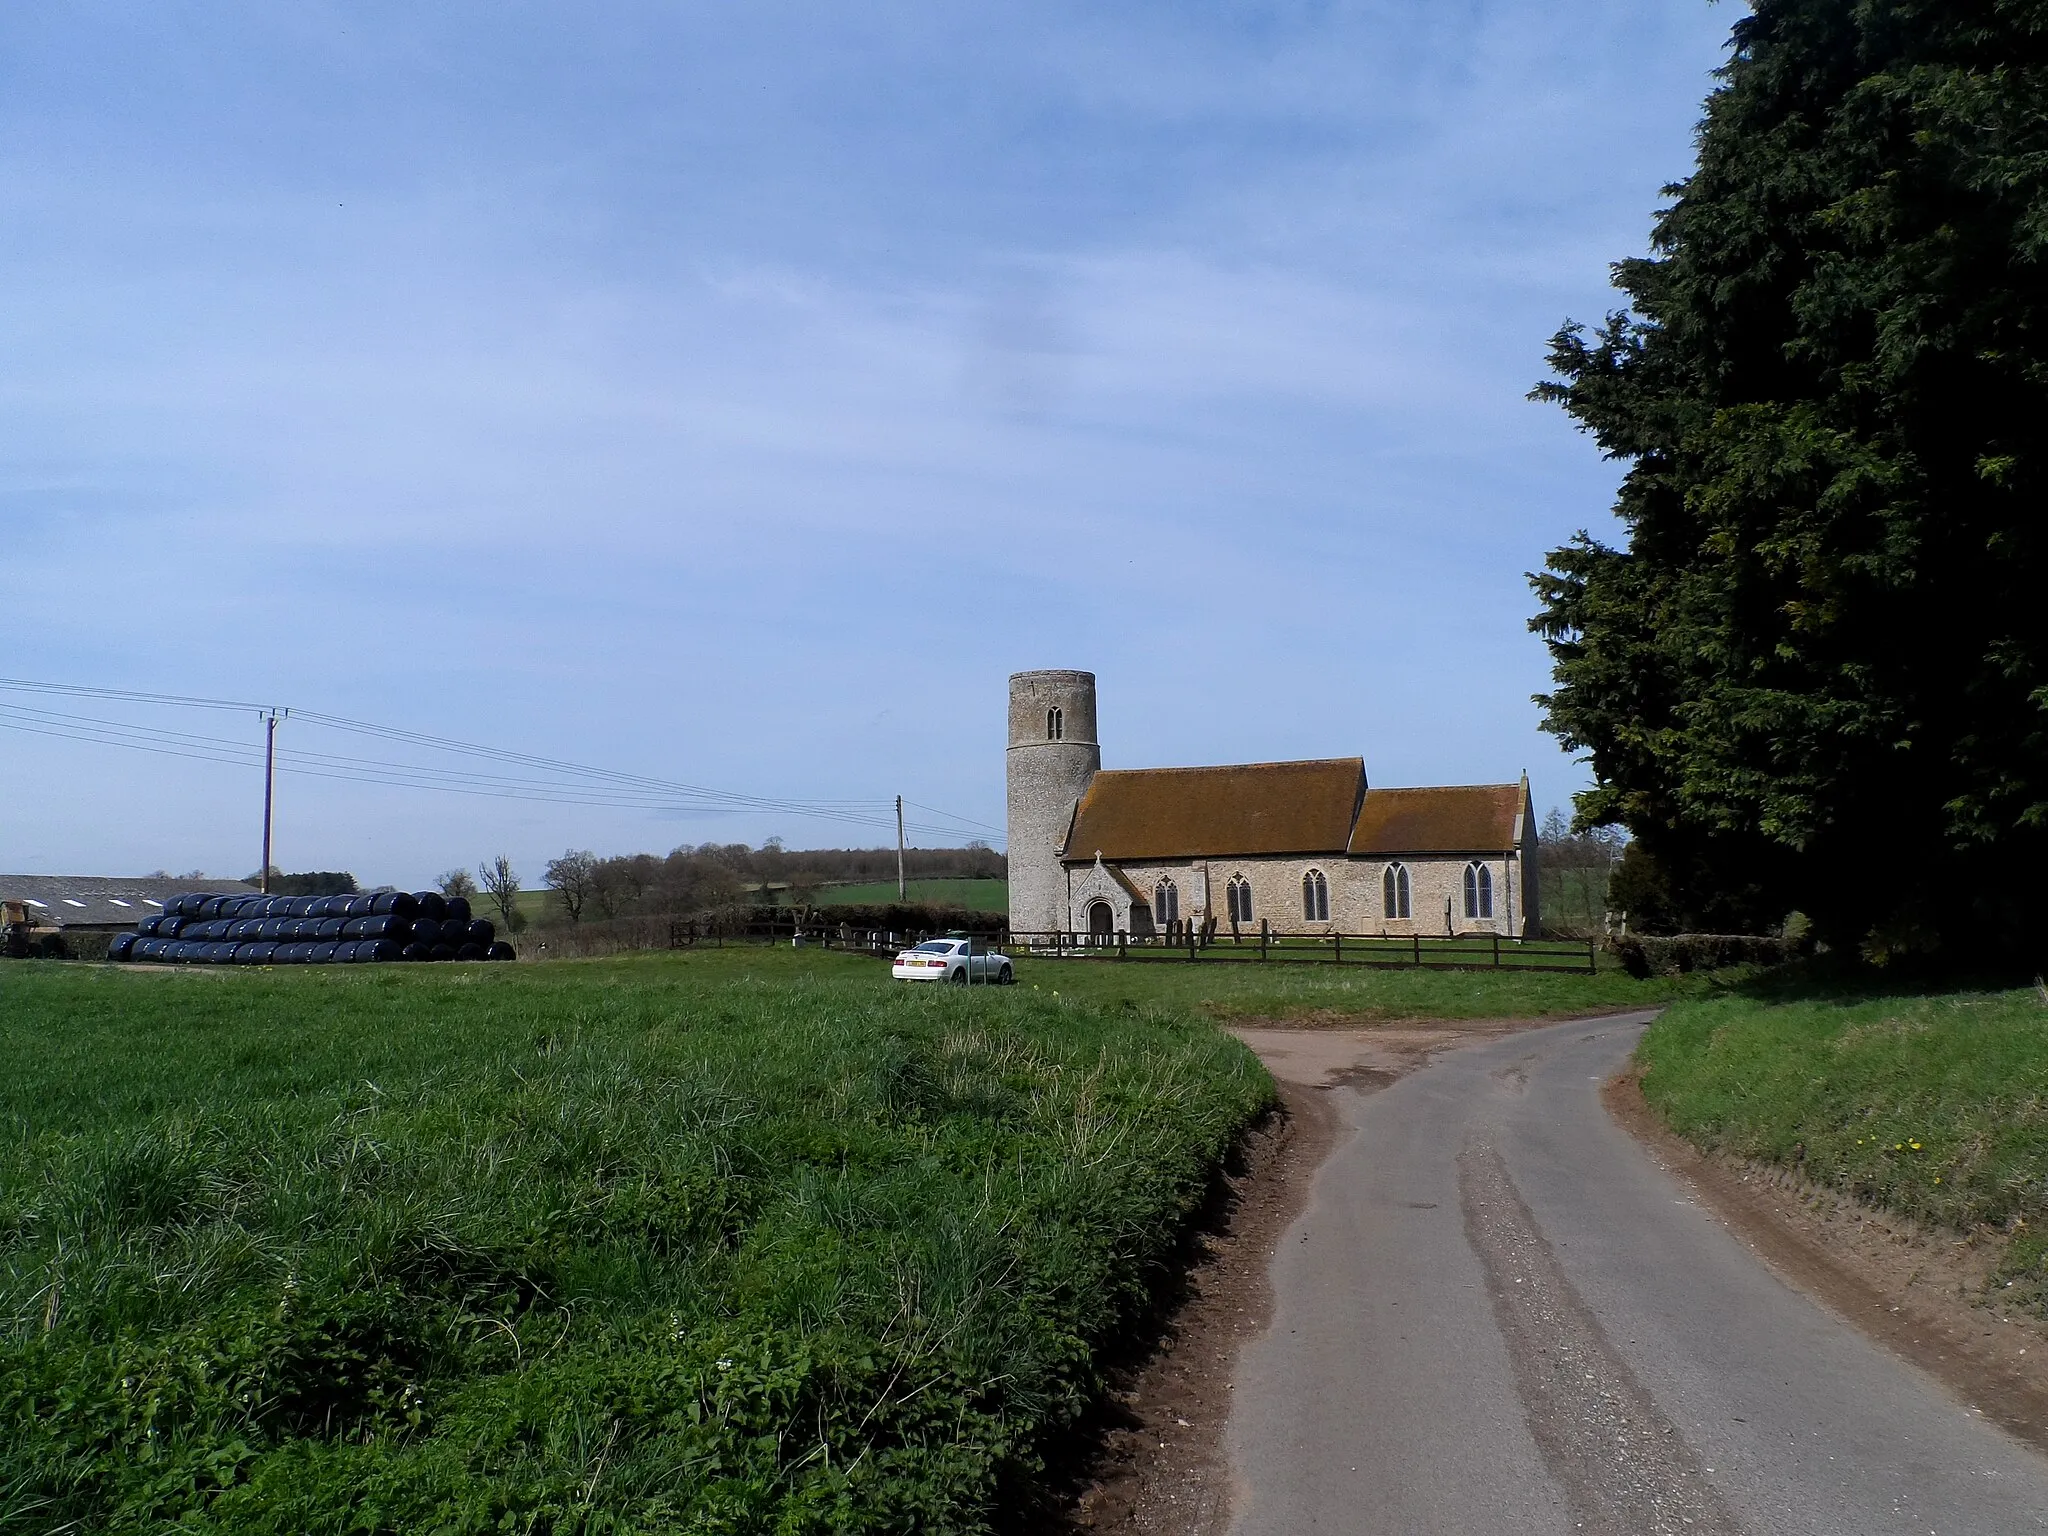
1622,1465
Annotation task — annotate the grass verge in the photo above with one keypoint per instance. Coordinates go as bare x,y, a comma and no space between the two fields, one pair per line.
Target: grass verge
1932,1106
1349,994
734,1241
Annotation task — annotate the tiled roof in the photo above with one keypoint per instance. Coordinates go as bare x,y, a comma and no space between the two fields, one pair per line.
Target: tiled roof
102,901
1463,818
1250,808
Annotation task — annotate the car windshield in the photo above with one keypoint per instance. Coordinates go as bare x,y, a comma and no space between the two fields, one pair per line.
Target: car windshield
935,949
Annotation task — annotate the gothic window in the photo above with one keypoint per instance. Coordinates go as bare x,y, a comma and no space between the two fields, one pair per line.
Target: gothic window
1315,897
1394,890
1478,891
1238,896
1055,725
1165,903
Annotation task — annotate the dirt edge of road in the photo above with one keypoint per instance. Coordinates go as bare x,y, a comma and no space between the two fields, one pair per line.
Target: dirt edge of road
1920,1293
1153,1461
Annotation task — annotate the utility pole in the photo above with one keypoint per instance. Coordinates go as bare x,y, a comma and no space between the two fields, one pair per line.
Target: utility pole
901,889
270,719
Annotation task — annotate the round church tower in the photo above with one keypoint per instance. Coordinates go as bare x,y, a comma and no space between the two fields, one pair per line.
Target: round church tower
1053,754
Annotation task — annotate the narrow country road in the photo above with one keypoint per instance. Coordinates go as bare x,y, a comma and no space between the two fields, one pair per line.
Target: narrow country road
1498,1317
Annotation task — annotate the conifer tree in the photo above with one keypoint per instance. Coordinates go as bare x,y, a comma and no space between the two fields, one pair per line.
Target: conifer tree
1815,675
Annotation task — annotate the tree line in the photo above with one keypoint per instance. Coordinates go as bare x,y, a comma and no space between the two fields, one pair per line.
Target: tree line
710,877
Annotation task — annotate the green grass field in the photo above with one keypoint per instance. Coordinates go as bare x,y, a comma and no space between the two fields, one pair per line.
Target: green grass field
974,895
534,905
741,1240
1932,1106
1229,990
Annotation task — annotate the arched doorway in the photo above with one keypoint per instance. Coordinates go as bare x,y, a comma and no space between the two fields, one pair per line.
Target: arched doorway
1101,921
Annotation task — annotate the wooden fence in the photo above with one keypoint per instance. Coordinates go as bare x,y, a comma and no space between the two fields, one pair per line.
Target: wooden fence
1447,952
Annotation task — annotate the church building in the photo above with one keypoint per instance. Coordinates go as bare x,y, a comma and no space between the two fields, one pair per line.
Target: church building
1300,848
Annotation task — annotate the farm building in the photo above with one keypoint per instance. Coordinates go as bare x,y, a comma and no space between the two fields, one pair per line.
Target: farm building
1306,847
76,914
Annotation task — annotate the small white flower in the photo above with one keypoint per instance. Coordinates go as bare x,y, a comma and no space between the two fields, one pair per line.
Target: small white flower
725,1365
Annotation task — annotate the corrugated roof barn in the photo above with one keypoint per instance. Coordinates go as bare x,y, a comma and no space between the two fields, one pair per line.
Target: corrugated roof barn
108,902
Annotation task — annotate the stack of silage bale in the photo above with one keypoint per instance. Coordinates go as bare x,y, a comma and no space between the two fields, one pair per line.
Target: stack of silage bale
204,929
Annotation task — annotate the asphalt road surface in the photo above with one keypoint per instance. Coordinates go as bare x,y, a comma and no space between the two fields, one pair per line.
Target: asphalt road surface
1498,1315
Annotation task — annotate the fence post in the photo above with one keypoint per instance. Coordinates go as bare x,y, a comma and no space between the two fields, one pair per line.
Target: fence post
1265,934
1340,947
1123,944
1418,951
1496,949
1592,957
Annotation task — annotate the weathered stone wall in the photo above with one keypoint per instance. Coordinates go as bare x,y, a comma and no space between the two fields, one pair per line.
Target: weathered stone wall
1046,779
1356,894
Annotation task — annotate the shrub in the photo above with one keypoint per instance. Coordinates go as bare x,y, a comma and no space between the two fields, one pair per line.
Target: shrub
1679,954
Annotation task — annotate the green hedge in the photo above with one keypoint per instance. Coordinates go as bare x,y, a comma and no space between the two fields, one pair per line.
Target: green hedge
1680,954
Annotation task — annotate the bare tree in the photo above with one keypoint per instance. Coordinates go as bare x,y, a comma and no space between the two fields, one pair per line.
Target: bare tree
457,882
502,881
571,877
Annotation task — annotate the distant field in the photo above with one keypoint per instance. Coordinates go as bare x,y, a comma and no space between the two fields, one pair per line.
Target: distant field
533,903
974,895
748,1239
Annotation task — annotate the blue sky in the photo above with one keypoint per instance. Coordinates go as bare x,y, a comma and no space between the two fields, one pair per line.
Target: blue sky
737,394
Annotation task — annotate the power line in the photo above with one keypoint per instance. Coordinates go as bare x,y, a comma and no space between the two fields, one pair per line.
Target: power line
550,780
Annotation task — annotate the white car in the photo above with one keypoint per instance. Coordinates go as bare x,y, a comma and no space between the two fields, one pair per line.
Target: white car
948,960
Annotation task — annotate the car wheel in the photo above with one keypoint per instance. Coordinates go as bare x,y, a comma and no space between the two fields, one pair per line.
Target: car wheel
1006,977
959,977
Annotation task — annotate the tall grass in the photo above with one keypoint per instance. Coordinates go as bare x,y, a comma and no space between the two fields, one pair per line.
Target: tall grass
726,1242
1932,1106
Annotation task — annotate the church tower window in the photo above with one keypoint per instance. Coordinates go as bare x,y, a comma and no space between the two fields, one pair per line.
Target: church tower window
1478,891
1238,897
1055,724
1315,897
1394,891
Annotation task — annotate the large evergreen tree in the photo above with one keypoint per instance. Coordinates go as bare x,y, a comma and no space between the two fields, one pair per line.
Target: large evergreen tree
1816,677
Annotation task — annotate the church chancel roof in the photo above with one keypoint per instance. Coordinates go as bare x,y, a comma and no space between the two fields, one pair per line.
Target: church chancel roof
1459,818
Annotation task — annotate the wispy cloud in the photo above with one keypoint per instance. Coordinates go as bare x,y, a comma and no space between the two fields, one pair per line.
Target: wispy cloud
709,387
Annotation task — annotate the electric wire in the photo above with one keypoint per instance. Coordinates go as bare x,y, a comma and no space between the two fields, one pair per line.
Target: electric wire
600,787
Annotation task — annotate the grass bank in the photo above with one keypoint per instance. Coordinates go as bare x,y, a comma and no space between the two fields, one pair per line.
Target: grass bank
1933,1106
732,1241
